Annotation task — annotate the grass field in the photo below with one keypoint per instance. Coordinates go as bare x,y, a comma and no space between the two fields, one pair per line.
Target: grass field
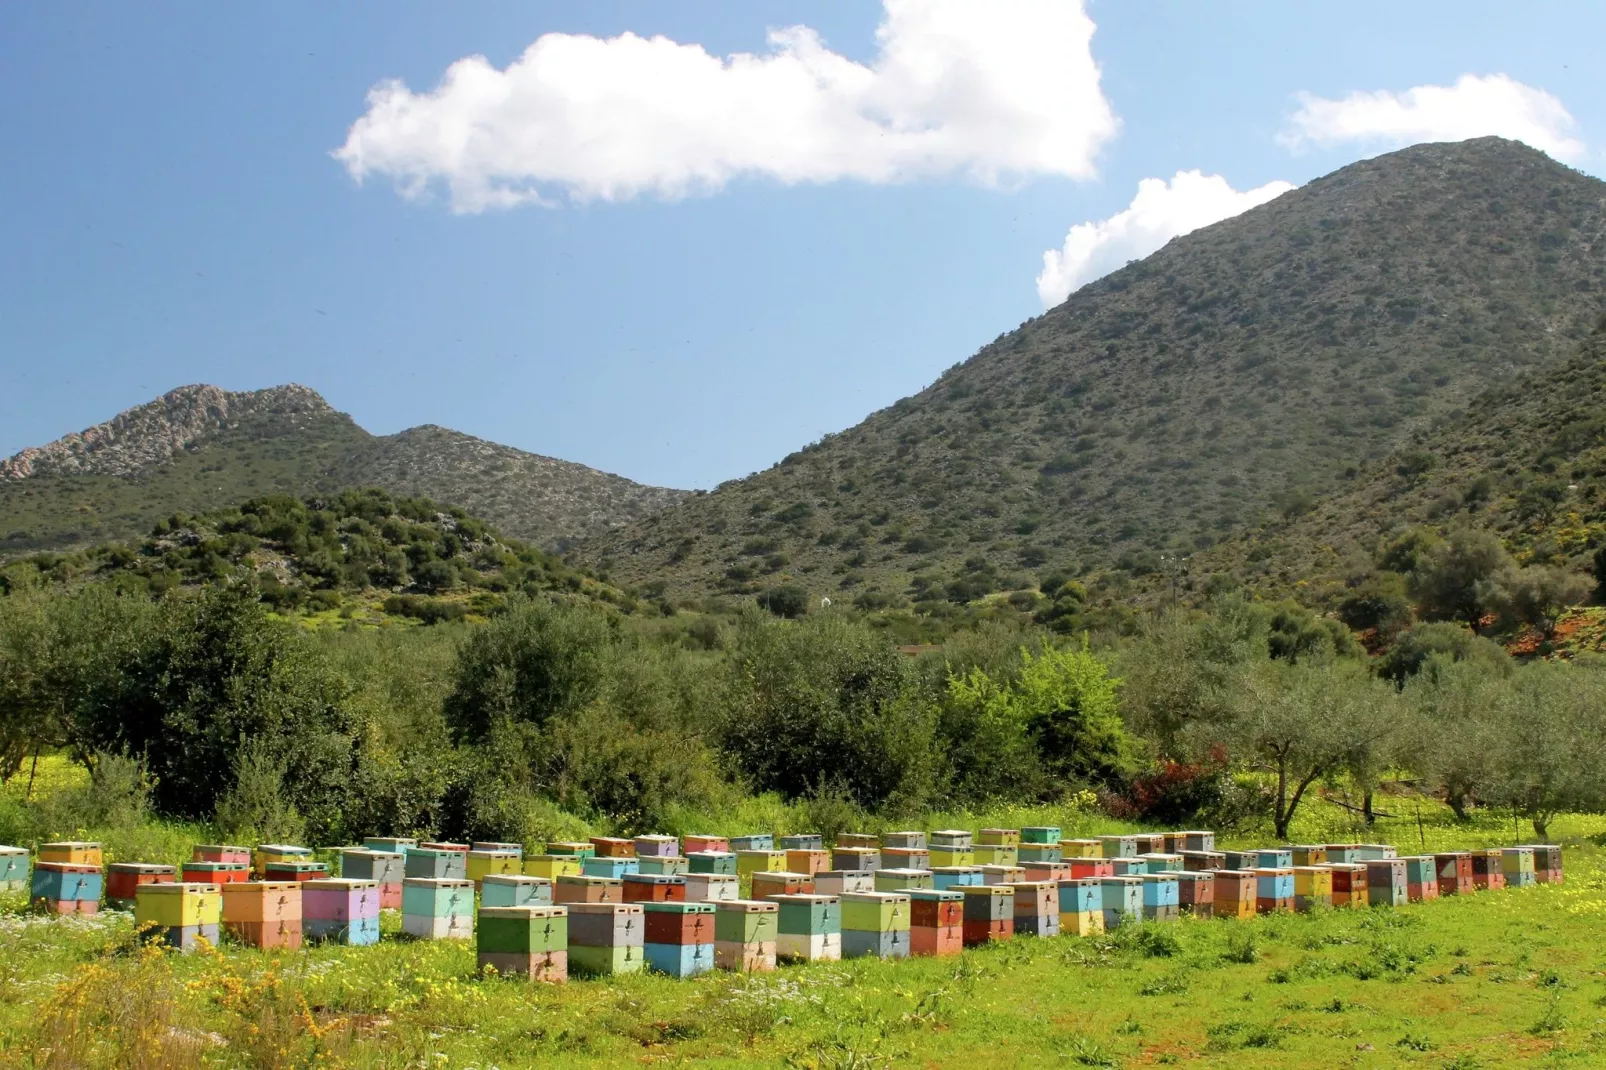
1498,979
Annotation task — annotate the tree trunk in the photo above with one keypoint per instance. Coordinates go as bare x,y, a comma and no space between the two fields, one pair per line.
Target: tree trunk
1280,814
1457,803
1366,808
1542,827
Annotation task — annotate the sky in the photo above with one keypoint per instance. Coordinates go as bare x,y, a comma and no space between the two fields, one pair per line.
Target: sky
671,241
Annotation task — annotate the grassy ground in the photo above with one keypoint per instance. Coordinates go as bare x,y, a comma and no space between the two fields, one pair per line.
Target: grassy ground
1499,979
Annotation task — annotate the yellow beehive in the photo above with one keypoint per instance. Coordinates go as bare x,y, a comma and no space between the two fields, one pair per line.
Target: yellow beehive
72,852
552,866
482,864
178,905
1081,849
749,862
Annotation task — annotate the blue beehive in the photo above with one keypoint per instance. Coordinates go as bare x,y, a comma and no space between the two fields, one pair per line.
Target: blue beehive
609,867
679,960
13,868
1122,900
1274,858
946,877
1081,895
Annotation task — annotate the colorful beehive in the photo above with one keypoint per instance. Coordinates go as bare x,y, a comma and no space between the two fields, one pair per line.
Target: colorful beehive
951,838
657,847
1240,859
865,840
810,860
1172,842
1421,877
607,938
699,844
1349,884
856,858
513,890
679,938
1517,863
72,853
1203,861
613,867
768,885
903,880
1308,854
269,853
1198,840
264,914
758,841
936,922
385,868
875,925
662,865
1037,908
1162,863
1119,846
951,847
1121,899
809,928
1041,835
723,862
1001,874
179,915
1039,852
1162,897
481,864
1488,872
1196,893
1274,889
341,911
1127,867
585,888
14,868
389,844
803,841
1081,849
1274,858
433,862
1455,873
1371,852
1084,868
295,871
1151,843
1313,887
711,887
613,847
904,841
569,849
998,838
1046,871
524,941
652,888
1235,893
1082,906
66,888
1348,853
124,878
551,866
996,854
1547,863
989,914
906,858
495,845
759,860
448,845
1385,882
745,932
438,908
946,877
220,852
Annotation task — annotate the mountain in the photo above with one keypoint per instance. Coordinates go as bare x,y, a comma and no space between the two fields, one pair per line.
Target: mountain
199,448
1242,370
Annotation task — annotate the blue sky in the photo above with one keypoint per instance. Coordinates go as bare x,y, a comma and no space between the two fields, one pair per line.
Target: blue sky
171,211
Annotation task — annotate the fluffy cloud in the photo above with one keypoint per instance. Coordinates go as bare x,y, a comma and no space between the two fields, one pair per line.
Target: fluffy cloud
1161,211
991,92
1473,107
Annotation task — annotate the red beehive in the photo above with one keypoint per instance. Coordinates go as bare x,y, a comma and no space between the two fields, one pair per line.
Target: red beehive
1488,869
1455,873
1082,868
978,932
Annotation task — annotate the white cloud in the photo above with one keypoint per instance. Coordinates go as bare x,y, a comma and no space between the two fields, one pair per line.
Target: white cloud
1474,107
1160,211
990,91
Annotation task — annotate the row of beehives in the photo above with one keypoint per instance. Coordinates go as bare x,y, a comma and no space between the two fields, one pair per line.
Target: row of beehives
540,925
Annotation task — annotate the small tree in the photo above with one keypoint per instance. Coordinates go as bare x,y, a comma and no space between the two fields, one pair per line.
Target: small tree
787,600
1461,579
1539,594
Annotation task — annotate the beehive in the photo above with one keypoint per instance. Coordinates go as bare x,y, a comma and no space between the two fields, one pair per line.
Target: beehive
1162,897
124,878
1040,835
481,864
530,941
1349,884
662,865
1313,887
809,928
679,938
435,863
760,841
269,853
1199,840
1371,852
1037,908
657,847
936,922
1122,899
1348,853
989,913
652,888
810,860
1274,858
1240,859
1274,888
1127,867
387,869
613,867
1084,868
1081,849
1118,846
66,888
1517,864
996,854
587,889
947,857
1081,906
745,935
1196,893
221,852
1001,874
756,860
265,914
1039,852
496,845
606,938
1161,863
72,853
905,858
1308,854
1455,873
862,840
552,866
803,841
769,885
515,890
952,839
1203,861
341,910
1235,893
14,869
1421,878
1547,863
998,838
295,871
178,915
701,844
945,877
710,887
721,862
856,858
438,908
1488,872
569,849
389,844
1385,882
875,924
447,845
1046,871
613,847
904,841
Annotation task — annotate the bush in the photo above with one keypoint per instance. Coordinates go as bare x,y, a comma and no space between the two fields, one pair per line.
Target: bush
788,601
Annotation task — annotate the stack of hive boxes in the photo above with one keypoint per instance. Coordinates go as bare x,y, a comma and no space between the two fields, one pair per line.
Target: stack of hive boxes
808,928
1349,883
767,885
480,863
1313,887
1196,892
1037,908
607,938
952,847
263,914
989,914
1385,882
1421,878
1082,906
610,856
179,915
275,853
905,850
434,863
936,922
1122,901
1274,887
1040,843
1235,893
387,869
341,910
855,859
524,941
1517,863
1162,896
1454,872
515,890
711,887
745,932
217,864
875,924
653,888
997,847
679,937
1547,863
67,878
1488,871
14,869
438,908
124,878
944,878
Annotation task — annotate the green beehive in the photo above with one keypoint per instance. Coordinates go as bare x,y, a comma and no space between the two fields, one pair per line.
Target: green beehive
14,869
902,880
662,865
572,849
720,862
1040,852
1161,863
875,911
996,854
516,890
1040,834
523,930
746,921
809,915
424,862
